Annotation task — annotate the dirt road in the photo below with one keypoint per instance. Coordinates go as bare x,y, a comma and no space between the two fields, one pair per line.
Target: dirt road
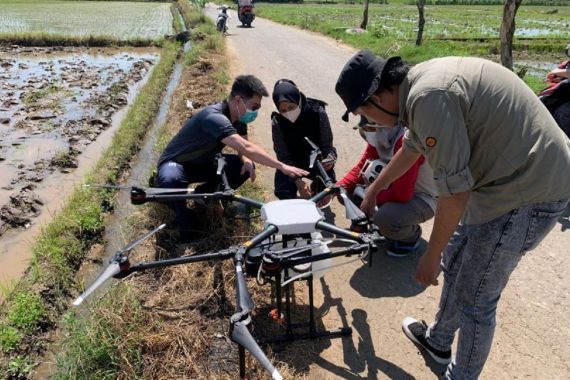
532,335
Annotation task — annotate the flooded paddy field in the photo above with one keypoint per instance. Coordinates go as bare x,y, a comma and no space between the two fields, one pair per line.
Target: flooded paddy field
122,20
58,107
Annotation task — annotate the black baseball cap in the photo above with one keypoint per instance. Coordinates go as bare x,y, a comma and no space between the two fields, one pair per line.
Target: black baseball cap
359,79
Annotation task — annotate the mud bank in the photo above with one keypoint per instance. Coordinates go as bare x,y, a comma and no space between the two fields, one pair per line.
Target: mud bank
60,108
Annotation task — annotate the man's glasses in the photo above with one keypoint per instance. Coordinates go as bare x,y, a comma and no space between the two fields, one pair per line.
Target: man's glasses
254,107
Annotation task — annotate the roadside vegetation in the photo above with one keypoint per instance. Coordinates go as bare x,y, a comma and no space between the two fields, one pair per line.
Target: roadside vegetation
464,30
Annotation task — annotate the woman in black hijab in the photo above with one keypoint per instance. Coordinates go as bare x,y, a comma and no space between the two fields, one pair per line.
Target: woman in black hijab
299,117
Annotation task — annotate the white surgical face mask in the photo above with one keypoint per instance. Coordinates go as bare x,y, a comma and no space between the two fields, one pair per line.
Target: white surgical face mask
292,115
370,138
383,137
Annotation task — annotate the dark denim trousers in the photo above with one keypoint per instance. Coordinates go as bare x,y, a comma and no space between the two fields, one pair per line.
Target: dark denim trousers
477,264
174,175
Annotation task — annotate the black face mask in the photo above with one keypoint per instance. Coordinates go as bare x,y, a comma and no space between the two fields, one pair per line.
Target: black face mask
396,114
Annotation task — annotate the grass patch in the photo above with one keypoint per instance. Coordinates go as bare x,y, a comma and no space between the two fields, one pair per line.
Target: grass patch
26,311
10,337
107,343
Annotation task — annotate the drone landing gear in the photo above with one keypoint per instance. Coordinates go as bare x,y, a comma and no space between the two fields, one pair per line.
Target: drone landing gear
290,334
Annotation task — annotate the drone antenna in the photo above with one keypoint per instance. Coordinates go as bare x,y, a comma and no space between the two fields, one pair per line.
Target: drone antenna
314,153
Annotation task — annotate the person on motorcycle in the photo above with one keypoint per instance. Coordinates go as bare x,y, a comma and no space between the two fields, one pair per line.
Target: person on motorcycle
190,155
298,117
407,202
245,12
222,19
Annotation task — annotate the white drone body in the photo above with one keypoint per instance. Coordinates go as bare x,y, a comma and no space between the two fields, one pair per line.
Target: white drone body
294,217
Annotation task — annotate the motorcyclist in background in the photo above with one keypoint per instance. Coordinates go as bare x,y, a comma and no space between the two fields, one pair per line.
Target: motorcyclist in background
222,19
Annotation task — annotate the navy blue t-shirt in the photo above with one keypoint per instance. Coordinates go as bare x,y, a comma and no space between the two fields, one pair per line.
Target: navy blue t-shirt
199,140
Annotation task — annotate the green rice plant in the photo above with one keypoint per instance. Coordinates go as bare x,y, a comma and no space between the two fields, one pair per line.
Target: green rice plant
122,20
48,39
394,25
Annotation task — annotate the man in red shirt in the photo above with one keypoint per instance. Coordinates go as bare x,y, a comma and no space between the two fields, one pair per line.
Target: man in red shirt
407,202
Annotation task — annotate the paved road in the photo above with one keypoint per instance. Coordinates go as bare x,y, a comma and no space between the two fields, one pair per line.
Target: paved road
533,334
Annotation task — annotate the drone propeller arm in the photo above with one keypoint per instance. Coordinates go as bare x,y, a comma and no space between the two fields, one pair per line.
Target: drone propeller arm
260,237
349,251
324,226
247,201
220,255
171,195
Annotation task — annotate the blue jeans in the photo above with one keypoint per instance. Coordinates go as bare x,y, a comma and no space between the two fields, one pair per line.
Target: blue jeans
477,264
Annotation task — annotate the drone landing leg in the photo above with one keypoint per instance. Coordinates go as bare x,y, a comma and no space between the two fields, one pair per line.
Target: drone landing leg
288,305
313,332
241,363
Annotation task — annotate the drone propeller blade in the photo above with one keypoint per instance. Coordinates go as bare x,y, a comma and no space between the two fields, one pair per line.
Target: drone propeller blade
313,158
221,164
352,211
106,186
114,267
167,191
241,335
312,144
109,272
141,239
244,300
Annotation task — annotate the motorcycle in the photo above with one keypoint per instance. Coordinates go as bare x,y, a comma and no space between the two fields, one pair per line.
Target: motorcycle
556,97
246,15
222,21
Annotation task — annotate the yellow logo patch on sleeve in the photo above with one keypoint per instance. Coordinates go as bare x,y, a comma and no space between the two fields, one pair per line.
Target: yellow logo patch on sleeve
430,142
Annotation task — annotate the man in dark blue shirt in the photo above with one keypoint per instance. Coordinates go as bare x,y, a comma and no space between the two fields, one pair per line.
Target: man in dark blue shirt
189,157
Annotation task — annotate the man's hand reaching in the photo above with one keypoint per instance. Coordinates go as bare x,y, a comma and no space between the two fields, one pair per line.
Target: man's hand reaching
292,171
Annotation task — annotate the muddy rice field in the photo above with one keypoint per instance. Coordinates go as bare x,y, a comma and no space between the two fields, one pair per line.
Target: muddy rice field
54,102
